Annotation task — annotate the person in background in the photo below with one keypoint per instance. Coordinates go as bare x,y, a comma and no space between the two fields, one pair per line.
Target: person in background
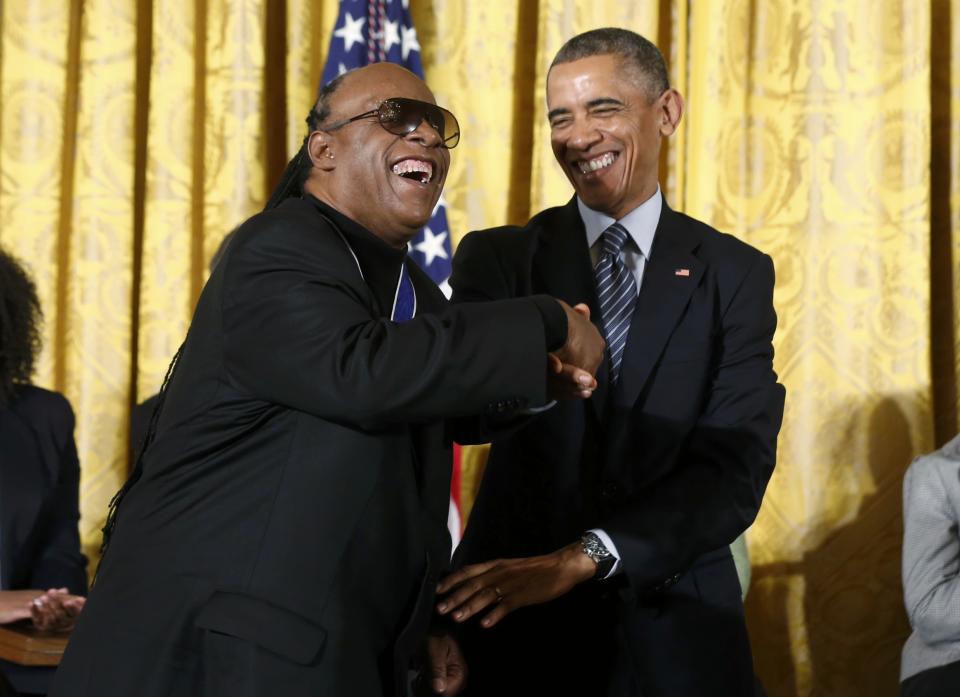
930,663
42,570
597,555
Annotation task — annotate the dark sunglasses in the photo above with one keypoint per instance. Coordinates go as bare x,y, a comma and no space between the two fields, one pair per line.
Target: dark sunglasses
400,116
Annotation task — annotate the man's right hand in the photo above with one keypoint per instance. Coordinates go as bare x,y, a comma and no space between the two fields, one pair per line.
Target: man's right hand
584,348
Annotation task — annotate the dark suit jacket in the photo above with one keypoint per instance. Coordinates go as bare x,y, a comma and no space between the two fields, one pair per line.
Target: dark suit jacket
39,507
39,492
290,524
672,464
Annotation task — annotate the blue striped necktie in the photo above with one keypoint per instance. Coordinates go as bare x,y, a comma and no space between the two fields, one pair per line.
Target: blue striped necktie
405,300
617,293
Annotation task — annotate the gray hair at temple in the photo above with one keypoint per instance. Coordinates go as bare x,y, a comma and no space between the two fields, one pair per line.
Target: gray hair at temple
638,53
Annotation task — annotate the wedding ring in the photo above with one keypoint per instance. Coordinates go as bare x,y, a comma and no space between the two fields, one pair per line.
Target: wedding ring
496,589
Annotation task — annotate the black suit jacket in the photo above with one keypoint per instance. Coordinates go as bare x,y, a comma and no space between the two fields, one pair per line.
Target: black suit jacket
290,524
39,491
672,463
39,507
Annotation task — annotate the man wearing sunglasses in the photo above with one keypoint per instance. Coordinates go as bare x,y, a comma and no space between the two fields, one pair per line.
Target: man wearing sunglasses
285,528
666,464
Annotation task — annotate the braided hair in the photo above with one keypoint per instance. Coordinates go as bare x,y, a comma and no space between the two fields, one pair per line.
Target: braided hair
110,525
297,170
20,321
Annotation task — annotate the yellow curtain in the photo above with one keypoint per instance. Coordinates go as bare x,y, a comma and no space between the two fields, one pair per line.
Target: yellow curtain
134,135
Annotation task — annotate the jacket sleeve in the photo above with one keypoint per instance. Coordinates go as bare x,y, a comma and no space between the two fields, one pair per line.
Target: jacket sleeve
931,554
713,493
478,277
299,331
59,562
477,274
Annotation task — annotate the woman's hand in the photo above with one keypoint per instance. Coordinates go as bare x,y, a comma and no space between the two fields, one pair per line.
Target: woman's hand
15,605
56,610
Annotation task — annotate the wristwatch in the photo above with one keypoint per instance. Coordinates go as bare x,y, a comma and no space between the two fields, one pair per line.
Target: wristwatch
594,548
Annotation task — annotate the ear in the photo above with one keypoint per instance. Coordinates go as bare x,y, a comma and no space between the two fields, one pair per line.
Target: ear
320,149
670,105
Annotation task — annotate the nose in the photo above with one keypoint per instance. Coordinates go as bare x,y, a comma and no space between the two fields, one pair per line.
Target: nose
583,134
425,134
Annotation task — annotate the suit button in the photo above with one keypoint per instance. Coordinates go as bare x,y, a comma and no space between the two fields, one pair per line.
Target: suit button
670,581
610,490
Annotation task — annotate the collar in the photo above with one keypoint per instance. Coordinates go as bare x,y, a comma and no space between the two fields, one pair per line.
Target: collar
641,222
379,262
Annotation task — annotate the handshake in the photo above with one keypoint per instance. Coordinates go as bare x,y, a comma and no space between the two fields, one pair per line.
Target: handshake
573,367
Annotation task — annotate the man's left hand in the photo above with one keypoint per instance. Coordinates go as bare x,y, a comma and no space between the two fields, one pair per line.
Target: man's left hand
508,584
448,669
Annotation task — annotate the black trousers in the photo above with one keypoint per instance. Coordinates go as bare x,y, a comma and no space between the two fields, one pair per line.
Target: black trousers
942,681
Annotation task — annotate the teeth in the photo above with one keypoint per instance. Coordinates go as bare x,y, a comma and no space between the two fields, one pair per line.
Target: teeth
593,165
410,165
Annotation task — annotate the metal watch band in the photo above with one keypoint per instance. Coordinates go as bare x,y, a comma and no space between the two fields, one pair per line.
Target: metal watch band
594,548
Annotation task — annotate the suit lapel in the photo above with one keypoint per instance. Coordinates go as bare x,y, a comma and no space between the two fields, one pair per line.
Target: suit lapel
562,265
670,277
562,268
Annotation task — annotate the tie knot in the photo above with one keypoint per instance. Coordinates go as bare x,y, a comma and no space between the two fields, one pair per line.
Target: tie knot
614,237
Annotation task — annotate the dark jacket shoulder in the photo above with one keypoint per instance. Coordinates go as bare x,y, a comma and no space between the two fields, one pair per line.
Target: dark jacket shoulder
295,242
296,224
47,412
715,243
518,236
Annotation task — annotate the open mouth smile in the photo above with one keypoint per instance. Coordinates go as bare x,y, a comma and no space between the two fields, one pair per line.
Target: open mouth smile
601,162
419,171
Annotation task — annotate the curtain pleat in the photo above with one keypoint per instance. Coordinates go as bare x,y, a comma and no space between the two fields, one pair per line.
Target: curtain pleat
93,329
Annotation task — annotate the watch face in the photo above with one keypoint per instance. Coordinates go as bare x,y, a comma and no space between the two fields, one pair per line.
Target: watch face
594,548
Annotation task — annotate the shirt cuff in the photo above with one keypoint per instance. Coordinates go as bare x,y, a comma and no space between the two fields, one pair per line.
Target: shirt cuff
533,411
612,548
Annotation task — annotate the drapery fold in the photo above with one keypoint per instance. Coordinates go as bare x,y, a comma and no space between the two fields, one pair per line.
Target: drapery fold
135,135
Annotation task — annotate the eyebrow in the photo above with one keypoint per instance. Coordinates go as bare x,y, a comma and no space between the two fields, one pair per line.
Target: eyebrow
604,101
593,103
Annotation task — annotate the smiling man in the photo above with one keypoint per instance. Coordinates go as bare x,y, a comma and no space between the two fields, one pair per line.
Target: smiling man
597,558
284,528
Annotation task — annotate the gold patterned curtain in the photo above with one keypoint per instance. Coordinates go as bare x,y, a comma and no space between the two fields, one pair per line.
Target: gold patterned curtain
134,134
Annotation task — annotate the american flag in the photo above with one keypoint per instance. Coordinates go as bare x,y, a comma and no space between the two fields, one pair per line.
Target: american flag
372,31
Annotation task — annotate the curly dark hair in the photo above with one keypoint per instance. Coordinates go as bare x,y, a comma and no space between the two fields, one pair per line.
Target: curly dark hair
20,320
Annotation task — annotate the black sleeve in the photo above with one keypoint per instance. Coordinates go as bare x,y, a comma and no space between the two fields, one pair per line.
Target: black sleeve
299,331
554,321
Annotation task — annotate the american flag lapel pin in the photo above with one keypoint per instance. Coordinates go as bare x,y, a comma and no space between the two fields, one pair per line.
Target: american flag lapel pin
682,272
